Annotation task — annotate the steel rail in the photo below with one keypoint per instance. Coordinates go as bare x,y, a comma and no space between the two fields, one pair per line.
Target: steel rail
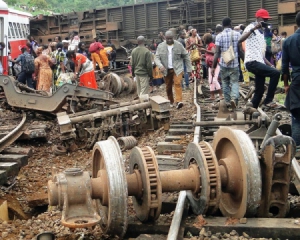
176,221
13,135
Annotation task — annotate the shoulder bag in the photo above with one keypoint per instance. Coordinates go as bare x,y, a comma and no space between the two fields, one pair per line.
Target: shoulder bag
228,56
194,53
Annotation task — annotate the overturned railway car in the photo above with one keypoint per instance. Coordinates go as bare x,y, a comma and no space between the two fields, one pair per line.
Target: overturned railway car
123,24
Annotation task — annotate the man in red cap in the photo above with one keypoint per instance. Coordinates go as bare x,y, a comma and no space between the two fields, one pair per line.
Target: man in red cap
256,62
26,60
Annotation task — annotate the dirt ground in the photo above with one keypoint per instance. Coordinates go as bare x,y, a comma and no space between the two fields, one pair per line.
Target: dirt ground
32,180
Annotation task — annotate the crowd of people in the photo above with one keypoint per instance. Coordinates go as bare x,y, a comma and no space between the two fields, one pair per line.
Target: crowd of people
223,57
46,67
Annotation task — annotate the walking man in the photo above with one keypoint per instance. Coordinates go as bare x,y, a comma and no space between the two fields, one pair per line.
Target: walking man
256,62
229,71
141,63
170,58
290,55
27,67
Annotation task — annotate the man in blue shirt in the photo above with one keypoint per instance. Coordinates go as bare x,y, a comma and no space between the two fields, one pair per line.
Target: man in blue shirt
229,72
290,55
23,76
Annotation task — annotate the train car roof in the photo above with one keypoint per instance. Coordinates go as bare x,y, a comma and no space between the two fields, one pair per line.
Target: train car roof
20,12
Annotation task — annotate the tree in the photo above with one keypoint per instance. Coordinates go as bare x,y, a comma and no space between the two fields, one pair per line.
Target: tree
42,4
11,2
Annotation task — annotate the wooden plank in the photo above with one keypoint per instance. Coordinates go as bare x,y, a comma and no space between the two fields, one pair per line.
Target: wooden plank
22,160
283,228
18,150
172,138
3,177
275,228
11,168
37,199
180,131
4,211
167,147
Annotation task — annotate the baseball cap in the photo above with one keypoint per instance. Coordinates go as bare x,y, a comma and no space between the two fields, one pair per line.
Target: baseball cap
263,13
24,46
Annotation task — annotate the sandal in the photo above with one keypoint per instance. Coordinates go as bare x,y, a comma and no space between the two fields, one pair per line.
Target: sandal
272,105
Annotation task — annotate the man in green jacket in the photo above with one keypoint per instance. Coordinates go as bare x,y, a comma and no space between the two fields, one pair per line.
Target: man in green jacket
141,63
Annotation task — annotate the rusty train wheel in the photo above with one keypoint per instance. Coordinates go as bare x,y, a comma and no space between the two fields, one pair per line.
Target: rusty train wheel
130,84
214,177
148,207
107,155
240,173
199,200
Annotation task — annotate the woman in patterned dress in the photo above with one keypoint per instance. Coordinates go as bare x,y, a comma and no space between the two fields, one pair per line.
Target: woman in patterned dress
43,71
195,42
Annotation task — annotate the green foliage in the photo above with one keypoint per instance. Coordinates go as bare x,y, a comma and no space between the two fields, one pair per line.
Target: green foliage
65,6
42,4
11,2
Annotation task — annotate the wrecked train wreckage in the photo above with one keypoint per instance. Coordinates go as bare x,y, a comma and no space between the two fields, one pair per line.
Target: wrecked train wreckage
95,115
123,119
76,98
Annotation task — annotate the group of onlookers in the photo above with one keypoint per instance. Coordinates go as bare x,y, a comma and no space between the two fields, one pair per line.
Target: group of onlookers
225,56
47,67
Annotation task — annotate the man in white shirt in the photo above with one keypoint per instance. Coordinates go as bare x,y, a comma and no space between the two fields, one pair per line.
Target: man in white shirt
170,58
256,62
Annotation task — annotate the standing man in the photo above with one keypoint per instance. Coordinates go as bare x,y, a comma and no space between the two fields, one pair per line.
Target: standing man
181,39
290,55
230,71
141,63
256,62
27,67
170,58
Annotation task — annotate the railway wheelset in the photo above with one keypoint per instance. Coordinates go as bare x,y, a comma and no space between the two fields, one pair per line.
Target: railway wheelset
229,175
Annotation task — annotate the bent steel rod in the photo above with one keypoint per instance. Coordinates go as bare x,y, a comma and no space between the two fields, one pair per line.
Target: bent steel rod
110,113
223,123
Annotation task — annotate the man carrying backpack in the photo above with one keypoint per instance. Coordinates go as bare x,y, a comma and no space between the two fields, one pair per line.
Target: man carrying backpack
27,67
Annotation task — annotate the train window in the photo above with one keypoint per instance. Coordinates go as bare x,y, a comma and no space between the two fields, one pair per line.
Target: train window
9,33
12,30
26,30
19,30
1,30
16,30
23,30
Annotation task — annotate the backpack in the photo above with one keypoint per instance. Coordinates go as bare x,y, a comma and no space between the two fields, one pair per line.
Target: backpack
28,65
94,47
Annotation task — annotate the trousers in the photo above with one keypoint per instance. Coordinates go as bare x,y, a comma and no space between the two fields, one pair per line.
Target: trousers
142,85
171,79
96,59
262,71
